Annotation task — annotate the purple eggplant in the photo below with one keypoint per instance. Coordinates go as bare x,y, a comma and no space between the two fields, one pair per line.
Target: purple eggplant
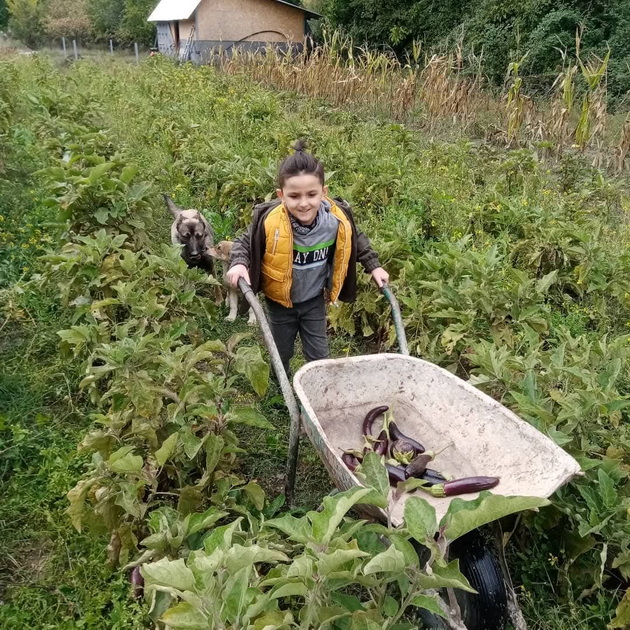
418,466
396,474
465,485
396,434
351,461
381,445
371,416
137,582
433,477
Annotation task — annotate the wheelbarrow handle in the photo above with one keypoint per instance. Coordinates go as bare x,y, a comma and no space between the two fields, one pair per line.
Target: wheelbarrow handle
398,322
285,387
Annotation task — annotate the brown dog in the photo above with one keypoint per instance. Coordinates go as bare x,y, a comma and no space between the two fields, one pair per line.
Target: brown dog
191,230
221,251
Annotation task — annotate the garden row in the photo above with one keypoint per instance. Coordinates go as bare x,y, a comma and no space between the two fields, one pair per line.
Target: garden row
511,272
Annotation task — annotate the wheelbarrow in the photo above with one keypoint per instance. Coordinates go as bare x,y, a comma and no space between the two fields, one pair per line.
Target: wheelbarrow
477,435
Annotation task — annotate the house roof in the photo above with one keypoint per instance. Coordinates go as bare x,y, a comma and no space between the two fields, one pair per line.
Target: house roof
171,10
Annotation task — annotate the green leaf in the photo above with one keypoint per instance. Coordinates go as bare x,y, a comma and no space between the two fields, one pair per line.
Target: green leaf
464,516
329,562
190,498
77,497
389,561
407,549
128,173
622,614
248,416
293,589
250,362
558,437
238,556
98,171
373,474
546,281
390,606
185,616
167,449
607,489
363,621
255,494
221,537
205,520
101,215
170,573
297,529
214,447
191,442
127,499
235,593
420,519
122,461
448,576
325,523
428,603
409,485
349,602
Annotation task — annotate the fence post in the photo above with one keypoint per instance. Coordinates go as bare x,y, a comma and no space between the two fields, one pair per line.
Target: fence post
111,46
63,45
135,45
74,47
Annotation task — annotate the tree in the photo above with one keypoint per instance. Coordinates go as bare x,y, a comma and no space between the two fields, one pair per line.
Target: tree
106,17
26,21
134,26
67,18
4,14
503,29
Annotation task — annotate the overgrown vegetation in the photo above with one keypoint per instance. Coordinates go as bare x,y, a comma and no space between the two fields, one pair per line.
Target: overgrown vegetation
447,94
503,30
512,271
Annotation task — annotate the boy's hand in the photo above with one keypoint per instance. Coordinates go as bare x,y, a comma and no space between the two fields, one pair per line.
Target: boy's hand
380,276
236,272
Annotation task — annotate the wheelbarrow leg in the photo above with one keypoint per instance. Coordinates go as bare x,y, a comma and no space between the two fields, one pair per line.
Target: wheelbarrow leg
285,387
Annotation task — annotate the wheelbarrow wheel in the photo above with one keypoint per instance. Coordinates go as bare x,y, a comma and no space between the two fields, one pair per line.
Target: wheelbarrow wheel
486,610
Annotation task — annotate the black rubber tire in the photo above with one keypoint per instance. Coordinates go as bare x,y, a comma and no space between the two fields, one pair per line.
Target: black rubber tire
486,610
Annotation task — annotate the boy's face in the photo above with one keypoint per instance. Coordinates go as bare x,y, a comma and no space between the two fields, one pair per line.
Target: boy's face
302,195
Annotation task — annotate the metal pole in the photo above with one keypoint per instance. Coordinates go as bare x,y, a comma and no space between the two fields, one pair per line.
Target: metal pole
135,45
285,387
398,322
74,46
111,46
63,45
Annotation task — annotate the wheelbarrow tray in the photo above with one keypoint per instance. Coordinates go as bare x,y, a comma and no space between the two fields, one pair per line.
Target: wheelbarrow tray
435,407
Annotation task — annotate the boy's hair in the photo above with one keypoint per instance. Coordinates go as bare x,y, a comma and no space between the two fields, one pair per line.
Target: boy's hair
300,163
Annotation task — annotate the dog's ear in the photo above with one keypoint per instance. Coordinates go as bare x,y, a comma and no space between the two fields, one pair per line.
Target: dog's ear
173,208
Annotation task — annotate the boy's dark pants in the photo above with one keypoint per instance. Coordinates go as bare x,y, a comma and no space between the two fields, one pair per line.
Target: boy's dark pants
309,319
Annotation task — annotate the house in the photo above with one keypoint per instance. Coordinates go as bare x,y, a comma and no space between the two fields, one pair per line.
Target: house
193,29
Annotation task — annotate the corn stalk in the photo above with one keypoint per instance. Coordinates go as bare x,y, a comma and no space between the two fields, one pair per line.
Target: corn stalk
624,145
592,121
517,104
562,105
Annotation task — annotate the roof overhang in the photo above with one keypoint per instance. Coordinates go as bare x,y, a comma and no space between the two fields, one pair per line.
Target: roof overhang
310,14
172,10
